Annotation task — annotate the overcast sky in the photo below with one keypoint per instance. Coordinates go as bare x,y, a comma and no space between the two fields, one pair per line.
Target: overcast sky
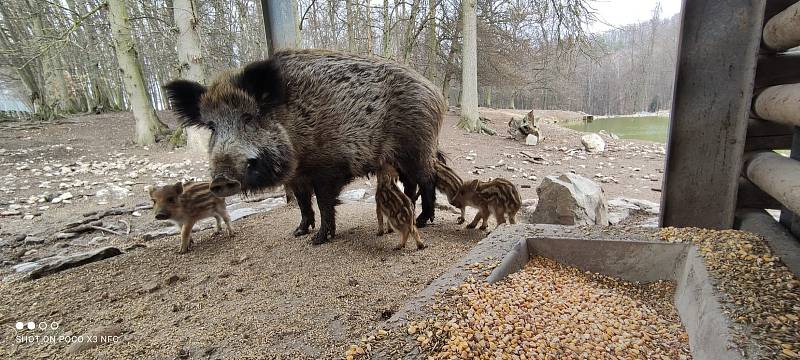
623,12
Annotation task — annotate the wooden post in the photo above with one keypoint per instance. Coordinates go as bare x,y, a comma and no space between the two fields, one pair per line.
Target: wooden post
776,175
782,31
780,103
790,219
710,111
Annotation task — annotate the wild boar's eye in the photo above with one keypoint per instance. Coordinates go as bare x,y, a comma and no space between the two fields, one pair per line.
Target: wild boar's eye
251,163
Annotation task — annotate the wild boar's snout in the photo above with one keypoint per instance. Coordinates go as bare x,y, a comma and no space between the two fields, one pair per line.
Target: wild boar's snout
223,186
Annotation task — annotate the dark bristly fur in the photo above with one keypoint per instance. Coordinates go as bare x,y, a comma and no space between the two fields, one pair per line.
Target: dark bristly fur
397,207
314,120
185,204
498,197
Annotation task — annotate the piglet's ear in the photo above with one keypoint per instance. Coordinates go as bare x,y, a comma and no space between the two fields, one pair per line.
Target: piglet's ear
179,187
184,95
263,81
474,185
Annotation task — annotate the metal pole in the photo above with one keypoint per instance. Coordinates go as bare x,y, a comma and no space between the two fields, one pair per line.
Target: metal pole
280,23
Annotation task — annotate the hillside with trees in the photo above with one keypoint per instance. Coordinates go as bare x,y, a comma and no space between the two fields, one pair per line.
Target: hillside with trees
70,57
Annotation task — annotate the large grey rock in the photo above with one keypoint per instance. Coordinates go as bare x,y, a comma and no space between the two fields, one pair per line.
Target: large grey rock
570,199
593,143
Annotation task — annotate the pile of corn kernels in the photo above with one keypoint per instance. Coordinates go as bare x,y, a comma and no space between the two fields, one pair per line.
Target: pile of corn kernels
551,311
759,292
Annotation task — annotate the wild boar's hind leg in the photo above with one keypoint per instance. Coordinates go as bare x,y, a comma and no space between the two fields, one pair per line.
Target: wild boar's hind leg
428,203
409,188
415,171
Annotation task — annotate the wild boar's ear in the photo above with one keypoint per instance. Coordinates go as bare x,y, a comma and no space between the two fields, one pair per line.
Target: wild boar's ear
263,81
179,187
184,96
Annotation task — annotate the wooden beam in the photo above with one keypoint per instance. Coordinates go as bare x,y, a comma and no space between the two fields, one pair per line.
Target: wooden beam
776,175
710,111
782,31
777,69
767,135
779,103
750,196
788,218
774,7
778,142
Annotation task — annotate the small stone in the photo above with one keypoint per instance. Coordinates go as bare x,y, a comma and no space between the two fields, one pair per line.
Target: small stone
172,279
33,240
151,287
65,235
531,140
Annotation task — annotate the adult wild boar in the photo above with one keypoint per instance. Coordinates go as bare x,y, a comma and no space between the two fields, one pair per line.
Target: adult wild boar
314,120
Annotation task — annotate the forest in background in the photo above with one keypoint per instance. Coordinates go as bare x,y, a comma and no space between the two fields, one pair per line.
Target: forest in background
58,56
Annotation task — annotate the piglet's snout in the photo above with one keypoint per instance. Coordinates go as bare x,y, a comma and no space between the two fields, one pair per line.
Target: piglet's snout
223,186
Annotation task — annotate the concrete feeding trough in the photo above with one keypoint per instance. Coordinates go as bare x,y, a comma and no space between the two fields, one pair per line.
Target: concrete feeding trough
633,257
710,330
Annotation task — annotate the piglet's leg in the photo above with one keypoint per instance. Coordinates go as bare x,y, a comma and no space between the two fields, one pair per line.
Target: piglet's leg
500,217
474,222
485,214
218,227
186,237
462,218
227,219
379,214
403,238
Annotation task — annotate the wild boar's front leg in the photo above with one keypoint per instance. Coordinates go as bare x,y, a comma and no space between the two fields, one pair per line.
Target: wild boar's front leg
327,189
302,193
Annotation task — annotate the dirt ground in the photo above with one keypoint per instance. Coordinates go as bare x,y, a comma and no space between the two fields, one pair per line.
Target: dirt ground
263,292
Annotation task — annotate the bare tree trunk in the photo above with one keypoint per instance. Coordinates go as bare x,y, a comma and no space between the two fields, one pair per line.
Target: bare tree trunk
368,27
408,39
148,126
387,29
190,63
430,70
469,70
351,41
